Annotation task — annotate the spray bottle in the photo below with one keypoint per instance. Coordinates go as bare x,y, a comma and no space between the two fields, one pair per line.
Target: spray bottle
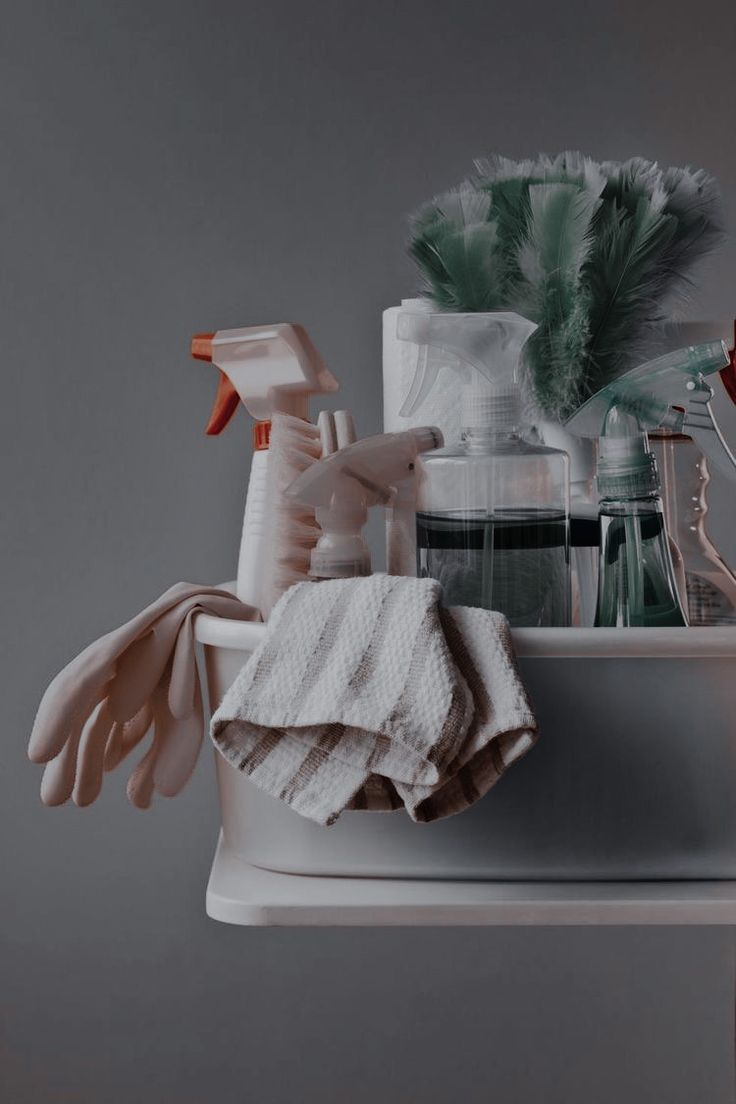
344,485
270,369
492,521
710,584
636,585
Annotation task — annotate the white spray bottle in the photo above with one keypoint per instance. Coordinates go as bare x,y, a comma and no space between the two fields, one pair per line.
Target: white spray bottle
492,518
271,370
343,486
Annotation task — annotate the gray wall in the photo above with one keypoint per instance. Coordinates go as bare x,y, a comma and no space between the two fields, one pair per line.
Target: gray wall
183,165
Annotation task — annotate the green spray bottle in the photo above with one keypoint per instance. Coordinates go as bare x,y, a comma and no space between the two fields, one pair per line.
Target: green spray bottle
636,583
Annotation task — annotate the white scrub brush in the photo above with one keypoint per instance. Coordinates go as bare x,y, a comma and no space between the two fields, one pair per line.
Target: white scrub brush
291,531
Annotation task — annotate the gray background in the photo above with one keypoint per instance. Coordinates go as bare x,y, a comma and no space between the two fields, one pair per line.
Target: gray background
176,166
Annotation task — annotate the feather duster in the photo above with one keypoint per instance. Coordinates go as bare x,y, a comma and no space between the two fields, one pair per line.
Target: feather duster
597,254
455,244
551,292
652,229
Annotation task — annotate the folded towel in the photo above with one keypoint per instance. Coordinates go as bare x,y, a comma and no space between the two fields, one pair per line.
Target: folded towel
102,705
365,694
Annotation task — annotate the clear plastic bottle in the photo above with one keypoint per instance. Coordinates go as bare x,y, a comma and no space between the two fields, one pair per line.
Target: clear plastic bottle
492,509
710,583
493,527
636,581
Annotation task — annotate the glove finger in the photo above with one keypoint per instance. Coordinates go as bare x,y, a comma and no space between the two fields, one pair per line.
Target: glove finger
141,667
64,707
180,743
140,784
184,678
58,776
91,757
138,672
125,736
113,747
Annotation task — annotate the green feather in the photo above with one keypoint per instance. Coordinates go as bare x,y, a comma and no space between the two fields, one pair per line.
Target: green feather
551,259
627,286
455,244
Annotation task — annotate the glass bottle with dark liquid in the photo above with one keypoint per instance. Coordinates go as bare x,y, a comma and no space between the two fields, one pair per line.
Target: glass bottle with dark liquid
507,548
493,510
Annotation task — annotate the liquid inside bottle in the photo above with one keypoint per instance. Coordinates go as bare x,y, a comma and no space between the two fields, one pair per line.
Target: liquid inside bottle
515,561
637,586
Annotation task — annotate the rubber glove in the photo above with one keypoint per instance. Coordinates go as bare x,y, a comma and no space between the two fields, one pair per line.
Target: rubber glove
103,704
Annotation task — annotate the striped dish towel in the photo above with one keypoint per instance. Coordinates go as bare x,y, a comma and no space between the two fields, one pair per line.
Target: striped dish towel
365,694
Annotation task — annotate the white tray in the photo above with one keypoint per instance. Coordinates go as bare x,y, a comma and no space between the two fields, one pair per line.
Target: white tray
634,775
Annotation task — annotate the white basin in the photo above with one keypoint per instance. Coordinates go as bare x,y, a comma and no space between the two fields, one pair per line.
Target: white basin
634,775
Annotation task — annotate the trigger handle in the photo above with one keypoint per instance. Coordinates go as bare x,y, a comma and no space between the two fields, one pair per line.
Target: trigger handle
226,403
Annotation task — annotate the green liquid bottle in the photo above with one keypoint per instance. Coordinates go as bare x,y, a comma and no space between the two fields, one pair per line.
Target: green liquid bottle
636,582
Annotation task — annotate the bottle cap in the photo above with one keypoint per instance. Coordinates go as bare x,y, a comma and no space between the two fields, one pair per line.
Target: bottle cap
330,566
626,467
427,438
491,406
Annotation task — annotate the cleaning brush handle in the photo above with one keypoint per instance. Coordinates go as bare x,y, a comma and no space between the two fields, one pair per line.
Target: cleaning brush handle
250,559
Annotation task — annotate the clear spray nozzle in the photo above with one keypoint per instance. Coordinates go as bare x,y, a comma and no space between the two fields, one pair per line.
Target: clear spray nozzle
670,391
484,349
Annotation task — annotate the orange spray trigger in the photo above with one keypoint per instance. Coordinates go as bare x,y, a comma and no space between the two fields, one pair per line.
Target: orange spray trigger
226,403
227,398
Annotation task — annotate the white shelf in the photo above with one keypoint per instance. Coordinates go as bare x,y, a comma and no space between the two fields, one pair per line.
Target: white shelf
241,894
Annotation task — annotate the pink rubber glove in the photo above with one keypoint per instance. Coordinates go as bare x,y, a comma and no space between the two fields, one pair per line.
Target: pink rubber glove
102,705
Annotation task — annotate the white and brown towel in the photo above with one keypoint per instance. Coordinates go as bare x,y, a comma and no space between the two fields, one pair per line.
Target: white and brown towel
365,694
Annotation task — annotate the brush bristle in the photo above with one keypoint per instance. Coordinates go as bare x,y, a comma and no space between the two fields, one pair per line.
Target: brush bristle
292,529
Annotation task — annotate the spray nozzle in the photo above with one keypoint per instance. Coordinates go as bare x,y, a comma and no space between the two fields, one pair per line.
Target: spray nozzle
670,391
626,467
483,348
267,368
342,486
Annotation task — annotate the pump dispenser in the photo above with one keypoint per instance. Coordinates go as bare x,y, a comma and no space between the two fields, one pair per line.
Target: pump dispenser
270,369
492,518
342,486
636,584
